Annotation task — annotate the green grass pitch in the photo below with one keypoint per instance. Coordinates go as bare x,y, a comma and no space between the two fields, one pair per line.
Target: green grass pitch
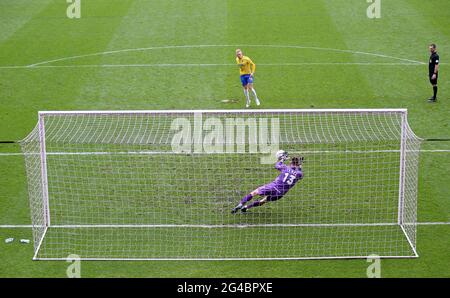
138,54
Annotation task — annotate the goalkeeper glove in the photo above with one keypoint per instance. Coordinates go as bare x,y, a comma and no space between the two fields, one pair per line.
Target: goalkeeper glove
283,157
301,159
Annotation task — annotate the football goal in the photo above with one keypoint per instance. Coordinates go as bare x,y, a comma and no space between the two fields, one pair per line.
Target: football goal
160,185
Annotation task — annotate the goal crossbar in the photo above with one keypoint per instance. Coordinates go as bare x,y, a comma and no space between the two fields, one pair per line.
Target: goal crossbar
229,111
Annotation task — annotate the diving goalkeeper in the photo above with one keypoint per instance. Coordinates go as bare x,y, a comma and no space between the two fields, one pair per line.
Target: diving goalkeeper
275,190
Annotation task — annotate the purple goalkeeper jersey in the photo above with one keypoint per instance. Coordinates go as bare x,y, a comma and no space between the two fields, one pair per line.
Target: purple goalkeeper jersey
288,177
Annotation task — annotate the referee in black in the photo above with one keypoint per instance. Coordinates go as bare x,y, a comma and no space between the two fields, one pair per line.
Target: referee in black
433,68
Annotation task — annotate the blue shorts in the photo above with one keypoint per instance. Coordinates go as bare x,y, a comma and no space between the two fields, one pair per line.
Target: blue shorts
246,79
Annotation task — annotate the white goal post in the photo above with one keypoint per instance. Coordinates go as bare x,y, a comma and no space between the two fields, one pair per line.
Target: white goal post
160,185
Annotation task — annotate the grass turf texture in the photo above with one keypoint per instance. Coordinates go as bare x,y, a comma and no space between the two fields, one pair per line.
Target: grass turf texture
33,32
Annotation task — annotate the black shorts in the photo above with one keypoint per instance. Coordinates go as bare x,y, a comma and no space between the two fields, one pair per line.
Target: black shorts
433,82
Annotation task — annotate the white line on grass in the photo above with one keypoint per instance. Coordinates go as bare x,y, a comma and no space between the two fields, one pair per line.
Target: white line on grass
162,65
34,65
165,152
433,223
222,226
223,46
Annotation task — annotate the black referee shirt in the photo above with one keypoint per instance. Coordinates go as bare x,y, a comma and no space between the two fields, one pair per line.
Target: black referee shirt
434,60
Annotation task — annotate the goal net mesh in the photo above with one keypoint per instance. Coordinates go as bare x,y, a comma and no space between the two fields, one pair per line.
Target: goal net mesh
161,185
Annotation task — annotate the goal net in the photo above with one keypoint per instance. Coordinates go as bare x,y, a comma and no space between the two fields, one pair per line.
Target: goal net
160,185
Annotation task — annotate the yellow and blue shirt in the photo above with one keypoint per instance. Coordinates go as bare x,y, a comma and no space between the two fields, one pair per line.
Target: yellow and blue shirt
246,65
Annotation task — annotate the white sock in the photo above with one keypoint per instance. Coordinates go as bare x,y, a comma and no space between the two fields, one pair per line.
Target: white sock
256,96
247,96
254,93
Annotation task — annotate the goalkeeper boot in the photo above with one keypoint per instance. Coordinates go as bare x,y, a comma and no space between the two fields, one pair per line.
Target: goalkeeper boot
244,209
235,209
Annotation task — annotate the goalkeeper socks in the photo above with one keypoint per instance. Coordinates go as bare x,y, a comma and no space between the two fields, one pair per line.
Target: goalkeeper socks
253,204
246,199
434,91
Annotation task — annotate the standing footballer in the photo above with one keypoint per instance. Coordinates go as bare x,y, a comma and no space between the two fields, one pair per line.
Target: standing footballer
247,69
433,68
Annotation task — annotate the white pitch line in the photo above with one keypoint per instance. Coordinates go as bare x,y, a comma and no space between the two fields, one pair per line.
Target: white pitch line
222,46
163,65
164,152
222,226
433,223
